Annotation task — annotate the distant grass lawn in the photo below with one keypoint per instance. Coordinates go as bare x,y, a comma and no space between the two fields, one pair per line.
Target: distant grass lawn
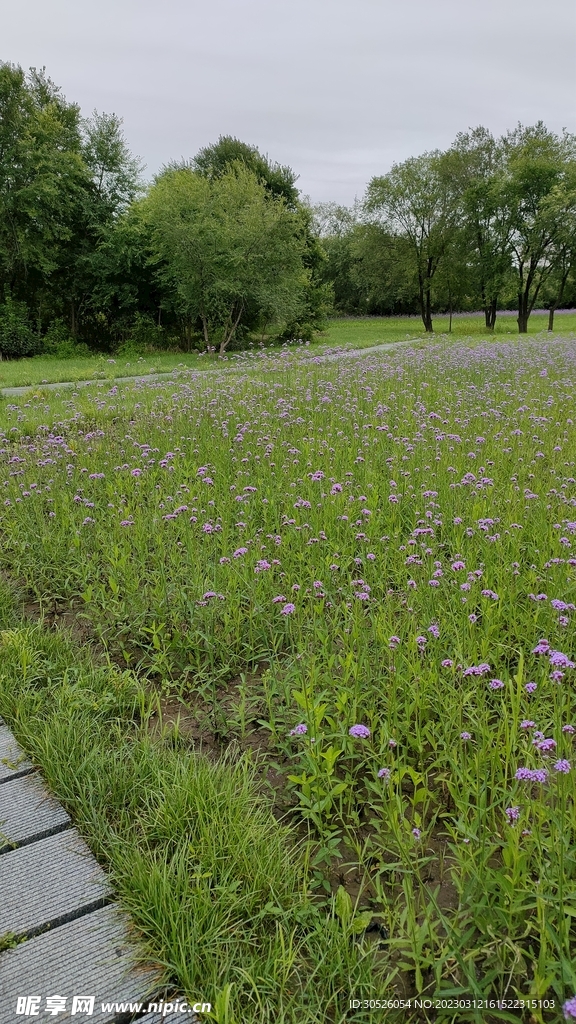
355,333
51,369
361,333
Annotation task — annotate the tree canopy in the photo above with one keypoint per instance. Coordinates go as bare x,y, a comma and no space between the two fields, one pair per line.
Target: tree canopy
226,248
222,247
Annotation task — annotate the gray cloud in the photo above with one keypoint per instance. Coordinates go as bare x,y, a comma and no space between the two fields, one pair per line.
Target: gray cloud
339,89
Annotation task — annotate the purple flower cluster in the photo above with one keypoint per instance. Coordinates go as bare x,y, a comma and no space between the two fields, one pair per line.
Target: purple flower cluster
531,775
359,732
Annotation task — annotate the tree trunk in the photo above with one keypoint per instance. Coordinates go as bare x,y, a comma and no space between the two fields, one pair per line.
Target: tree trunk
490,313
554,305
73,322
188,335
493,307
523,313
227,336
205,330
428,311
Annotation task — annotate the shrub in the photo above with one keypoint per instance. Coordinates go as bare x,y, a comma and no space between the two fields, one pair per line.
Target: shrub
59,342
16,335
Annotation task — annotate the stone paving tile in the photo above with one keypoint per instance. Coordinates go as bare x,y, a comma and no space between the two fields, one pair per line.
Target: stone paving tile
49,882
28,811
12,760
89,957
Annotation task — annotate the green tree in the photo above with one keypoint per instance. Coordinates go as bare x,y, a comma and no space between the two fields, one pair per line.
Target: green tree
539,195
64,183
225,247
560,207
217,159
113,181
279,182
477,162
417,201
42,180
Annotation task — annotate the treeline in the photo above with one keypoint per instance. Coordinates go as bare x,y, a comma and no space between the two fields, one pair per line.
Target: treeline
212,252
222,249
489,223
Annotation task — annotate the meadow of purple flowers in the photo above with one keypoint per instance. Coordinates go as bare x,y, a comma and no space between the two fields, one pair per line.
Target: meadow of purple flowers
370,562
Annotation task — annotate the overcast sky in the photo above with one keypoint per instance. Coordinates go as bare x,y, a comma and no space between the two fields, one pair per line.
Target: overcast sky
338,89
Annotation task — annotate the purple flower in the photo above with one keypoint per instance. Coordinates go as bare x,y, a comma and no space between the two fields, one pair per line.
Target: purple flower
531,775
447,663
544,745
530,687
136,472
527,723
512,813
465,736
569,1009
384,773
279,599
239,552
288,609
542,647
359,732
559,660
477,670
299,730
416,833
496,684
458,564
568,728
562,766
556,676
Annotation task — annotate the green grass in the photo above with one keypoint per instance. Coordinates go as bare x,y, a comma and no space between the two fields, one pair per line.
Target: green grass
378,542
51,369
354,333
215,886
373,330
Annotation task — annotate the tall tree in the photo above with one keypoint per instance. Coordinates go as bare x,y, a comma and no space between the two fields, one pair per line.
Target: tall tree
538,195
477,161
217,159
416,201
42,180
113,182
225,246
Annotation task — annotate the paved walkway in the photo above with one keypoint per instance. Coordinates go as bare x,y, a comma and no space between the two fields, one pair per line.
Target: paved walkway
63,941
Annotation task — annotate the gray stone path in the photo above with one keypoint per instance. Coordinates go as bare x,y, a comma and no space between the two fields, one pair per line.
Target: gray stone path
62,938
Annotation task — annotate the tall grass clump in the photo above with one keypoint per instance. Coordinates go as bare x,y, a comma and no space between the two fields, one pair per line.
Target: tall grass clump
216,887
